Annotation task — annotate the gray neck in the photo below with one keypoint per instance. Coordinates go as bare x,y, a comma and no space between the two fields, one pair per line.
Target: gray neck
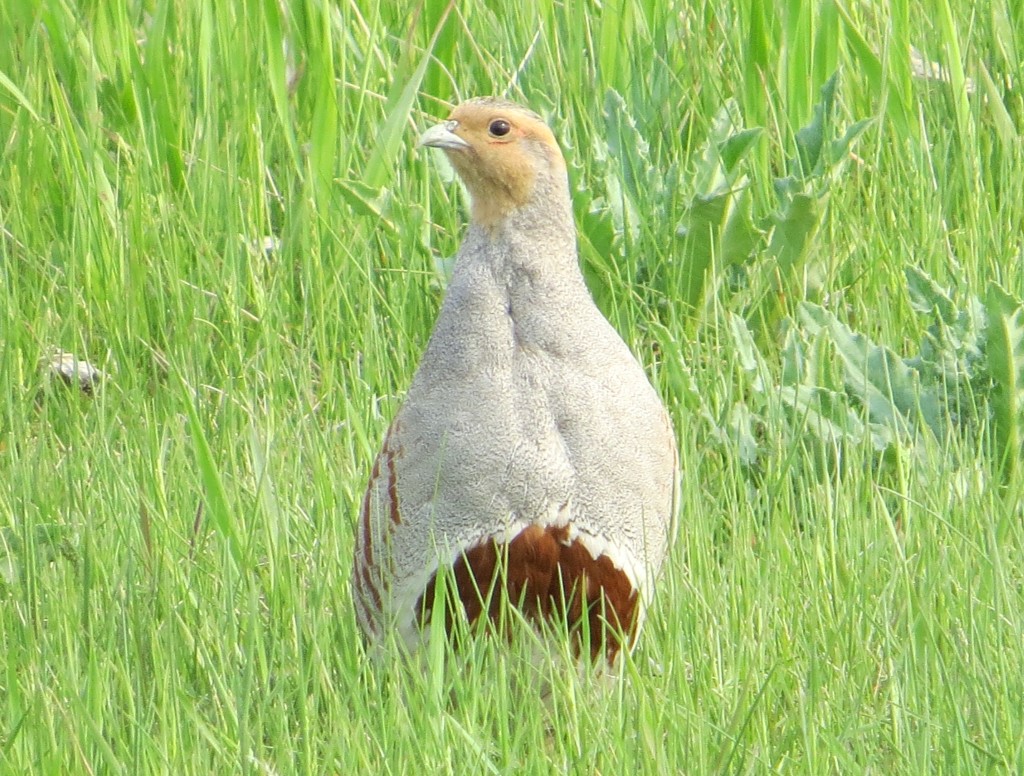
538,239
516,284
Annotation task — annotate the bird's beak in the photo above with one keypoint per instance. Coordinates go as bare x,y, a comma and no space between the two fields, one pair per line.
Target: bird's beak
443,136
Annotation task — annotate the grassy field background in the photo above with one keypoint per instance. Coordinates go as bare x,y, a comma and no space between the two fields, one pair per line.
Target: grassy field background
832,315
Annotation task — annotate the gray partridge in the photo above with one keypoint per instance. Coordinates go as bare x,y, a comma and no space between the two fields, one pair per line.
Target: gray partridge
531,456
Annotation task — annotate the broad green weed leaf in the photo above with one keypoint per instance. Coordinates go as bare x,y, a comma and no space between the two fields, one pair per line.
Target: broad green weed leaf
737,146
811,138
825,413
727,140
951,357
803,197
927,297
840,148
699,229
365,200
717,224
628,147
741,424
795,227
888,388
740,236
794,361
746,350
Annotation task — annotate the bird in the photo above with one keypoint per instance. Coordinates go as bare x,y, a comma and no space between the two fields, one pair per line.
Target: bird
531,462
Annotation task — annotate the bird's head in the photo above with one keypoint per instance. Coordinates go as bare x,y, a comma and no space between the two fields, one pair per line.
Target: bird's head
506,156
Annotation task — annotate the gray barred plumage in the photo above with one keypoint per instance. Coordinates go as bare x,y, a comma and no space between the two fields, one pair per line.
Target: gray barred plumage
529,431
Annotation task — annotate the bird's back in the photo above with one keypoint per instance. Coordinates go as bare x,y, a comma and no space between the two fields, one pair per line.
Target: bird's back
529,430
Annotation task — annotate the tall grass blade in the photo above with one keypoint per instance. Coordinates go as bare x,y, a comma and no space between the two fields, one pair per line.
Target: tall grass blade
1006,367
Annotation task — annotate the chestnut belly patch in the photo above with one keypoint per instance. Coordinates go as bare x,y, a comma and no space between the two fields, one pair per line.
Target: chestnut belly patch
546,575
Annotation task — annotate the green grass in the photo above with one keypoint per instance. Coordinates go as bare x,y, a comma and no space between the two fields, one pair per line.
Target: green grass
176,549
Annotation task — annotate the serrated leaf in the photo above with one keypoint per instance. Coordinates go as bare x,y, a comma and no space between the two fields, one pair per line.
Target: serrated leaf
827,415
1005,356
740,425
928,297
621,205
793,360
840,148
740,236
716,224
365,200
599,247
748,356
795,225
712,174
952,349
737,146
810,139
794,229
699,229
887,387
627,146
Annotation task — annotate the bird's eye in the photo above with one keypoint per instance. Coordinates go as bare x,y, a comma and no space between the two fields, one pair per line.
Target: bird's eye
499,128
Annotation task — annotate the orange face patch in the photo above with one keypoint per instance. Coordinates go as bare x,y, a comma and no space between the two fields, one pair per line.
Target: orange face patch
507,147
